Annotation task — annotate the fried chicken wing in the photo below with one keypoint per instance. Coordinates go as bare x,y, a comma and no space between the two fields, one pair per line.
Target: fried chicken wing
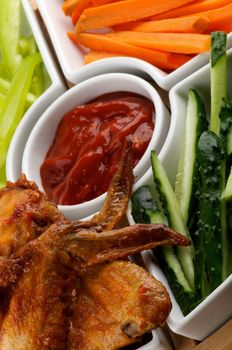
24,214
39,316
117,302
62,286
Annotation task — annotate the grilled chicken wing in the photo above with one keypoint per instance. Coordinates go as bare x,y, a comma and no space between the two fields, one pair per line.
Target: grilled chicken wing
24,214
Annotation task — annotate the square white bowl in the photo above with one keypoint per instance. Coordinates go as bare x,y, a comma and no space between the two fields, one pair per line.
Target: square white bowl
30,25
216,309
71,58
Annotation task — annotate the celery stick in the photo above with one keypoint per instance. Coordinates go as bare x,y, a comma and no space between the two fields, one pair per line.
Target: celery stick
9,34
5,86
15,102
218,77
23,46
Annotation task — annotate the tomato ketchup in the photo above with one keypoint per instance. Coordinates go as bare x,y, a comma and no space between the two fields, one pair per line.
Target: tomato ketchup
88,144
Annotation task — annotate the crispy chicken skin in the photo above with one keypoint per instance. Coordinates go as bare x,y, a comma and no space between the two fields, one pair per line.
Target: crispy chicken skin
40,311
117,302
24,214
63,287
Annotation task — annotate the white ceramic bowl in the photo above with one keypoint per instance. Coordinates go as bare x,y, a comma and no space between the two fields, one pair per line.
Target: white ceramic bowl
55,89
71,58
217,307
43,133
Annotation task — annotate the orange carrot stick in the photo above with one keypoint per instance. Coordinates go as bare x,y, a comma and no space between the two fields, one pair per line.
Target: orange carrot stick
170,42
80,7
172,25
72,36
123,12
226,27
69,6
217,17
163,60
102,2
194,7
98,55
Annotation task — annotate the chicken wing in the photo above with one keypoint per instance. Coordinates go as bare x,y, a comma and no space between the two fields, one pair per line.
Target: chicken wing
117,302
24,214
62,286
39,313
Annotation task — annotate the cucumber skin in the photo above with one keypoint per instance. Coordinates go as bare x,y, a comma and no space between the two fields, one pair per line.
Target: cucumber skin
185,298
218,77
173,214
142,213
211,155
141,202
186,181
218,47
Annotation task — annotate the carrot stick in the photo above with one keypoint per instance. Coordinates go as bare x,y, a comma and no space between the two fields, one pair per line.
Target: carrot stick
163,60
123,12
72,36
194,7
102,2
171,42
69,6
80,7
217,17
173,25
226,27
98,55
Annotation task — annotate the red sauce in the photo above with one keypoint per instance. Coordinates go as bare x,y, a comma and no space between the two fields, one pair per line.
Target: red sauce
88,145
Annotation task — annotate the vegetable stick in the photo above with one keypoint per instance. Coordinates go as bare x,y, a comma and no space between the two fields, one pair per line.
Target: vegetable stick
97,55
173,25
82,5
71,5
194,7
73,37
170,42
217,17
123,12
102,2
226,27
163,60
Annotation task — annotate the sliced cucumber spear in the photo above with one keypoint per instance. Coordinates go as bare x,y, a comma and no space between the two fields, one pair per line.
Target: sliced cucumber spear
185,186
145,210
173,213
218,77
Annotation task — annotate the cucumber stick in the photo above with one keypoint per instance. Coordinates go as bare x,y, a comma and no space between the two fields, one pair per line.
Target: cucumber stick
211,162
145,210
227,193
185,185
144,207
218,77
172,212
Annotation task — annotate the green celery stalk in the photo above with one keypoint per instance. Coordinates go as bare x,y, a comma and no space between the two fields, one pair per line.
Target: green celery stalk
5,86
15,102
9,35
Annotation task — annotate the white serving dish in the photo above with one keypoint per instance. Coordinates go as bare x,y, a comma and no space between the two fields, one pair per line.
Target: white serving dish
39,141
71,58
55,89
216,309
